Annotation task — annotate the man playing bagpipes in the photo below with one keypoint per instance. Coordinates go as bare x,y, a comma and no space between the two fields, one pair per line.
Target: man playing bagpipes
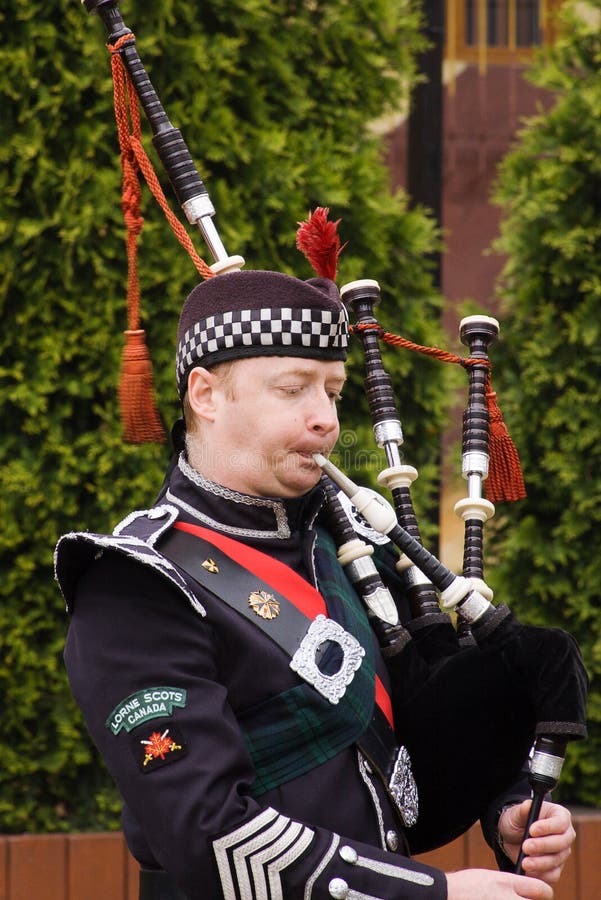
245,653
242,774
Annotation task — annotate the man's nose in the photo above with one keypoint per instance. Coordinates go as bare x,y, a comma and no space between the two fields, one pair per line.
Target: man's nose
323,417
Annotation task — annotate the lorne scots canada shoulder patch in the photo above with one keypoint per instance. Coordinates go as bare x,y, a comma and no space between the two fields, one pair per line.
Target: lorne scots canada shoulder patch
159,747
149,703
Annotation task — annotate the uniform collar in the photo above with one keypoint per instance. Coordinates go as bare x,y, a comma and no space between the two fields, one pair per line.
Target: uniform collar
239,515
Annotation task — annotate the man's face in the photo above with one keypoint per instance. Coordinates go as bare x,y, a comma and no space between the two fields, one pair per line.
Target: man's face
267,419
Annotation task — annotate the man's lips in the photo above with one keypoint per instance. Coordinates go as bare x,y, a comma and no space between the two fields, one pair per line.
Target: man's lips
308,454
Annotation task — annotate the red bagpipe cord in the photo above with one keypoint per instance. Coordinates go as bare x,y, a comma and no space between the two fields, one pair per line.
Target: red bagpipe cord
505,481
141,421
318,239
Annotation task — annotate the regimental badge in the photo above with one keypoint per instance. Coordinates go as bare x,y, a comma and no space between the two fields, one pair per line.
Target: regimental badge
264,605
210,565
158,749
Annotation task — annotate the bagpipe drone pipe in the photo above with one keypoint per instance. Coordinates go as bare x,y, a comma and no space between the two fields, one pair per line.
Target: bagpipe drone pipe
168,141
470,701
470,704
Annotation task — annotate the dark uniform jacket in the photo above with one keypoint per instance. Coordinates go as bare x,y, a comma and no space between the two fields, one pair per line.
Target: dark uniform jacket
175,686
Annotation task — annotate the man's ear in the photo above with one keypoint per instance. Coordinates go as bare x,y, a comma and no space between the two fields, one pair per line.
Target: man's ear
201,393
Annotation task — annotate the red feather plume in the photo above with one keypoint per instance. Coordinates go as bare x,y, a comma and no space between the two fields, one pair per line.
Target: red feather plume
318,239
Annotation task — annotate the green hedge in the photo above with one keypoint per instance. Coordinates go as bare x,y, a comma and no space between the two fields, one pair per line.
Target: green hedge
274,100
549,366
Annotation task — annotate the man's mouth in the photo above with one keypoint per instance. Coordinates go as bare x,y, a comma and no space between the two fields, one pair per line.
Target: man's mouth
308,455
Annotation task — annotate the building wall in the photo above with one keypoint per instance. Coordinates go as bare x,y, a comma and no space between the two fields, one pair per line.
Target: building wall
99,866
481,116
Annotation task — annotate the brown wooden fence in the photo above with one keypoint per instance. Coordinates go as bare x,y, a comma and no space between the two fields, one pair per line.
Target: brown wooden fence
99,867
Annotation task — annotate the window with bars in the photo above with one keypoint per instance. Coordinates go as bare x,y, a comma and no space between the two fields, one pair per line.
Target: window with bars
505,23
497,30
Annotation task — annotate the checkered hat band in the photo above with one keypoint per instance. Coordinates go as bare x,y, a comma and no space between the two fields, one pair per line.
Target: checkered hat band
315,329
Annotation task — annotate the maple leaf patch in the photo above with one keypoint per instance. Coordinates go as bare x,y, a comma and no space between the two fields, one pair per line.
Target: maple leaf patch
158,748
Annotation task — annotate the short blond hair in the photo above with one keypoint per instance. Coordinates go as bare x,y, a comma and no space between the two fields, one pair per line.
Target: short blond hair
224,372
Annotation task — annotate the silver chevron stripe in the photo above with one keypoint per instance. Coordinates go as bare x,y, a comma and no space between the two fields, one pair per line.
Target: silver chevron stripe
251,858
301,839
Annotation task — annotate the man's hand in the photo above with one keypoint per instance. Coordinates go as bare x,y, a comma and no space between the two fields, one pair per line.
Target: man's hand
474,884
550,841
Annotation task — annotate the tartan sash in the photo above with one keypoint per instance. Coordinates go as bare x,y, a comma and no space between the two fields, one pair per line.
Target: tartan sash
293,732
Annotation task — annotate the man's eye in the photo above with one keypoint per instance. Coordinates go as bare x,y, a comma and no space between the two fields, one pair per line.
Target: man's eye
291,389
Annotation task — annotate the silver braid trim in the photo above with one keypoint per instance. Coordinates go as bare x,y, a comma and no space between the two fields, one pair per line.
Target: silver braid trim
339,890
142,552
278,509
157,513
221,526
364,771
321,867
350,856
251,858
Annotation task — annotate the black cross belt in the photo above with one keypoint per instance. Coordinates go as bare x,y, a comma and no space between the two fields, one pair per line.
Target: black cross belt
233,584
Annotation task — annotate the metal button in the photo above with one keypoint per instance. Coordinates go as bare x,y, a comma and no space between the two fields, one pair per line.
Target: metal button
392,840
338,888
348,854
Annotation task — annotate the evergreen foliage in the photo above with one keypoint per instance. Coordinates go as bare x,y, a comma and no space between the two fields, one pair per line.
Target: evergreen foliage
274,98
550,366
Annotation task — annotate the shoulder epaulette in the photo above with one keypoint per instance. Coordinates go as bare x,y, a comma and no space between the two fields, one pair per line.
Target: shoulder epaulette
133,537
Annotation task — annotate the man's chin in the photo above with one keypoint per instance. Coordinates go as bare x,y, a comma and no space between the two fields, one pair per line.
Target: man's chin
304,482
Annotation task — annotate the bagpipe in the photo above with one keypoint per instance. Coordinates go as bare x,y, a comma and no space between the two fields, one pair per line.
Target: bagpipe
475,691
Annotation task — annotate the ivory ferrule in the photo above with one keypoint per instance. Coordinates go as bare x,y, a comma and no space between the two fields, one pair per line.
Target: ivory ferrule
403,563
457,591
361,283
481,586
474,508
229,264
397,477
353,550
479,320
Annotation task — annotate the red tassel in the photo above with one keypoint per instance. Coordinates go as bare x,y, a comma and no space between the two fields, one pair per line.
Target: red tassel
141,421
505,480
318,239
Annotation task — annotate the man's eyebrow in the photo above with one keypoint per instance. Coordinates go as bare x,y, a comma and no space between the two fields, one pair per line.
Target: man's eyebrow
306,373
